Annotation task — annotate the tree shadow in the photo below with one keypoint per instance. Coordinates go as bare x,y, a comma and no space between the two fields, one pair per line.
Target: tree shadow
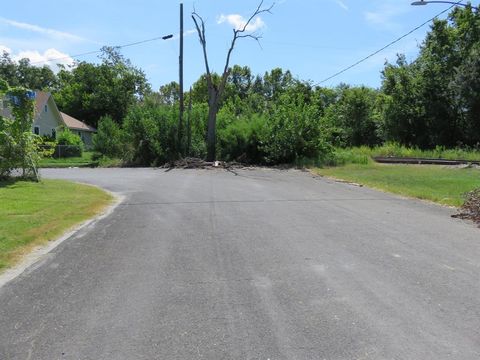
7,182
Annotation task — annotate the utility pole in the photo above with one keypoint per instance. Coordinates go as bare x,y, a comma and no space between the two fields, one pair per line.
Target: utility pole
181,98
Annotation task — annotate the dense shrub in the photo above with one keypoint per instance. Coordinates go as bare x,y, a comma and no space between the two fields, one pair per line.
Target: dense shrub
151,132
68,144
240,139
109,138
293,132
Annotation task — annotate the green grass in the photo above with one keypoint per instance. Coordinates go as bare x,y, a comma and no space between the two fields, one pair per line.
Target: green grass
435,183
32,214
84,161
87,159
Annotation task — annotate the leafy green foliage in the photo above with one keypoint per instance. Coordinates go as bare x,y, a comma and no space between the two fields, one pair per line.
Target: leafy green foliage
150,131
108,140
24,74
90,91
293,131
69,144
435,100
18,145
240,139
353,117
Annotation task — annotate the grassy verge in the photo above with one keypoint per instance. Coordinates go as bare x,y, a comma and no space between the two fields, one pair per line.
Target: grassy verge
87,159
32,214
84,161
443,185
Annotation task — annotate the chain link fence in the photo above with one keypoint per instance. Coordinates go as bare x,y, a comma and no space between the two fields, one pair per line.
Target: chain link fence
64,151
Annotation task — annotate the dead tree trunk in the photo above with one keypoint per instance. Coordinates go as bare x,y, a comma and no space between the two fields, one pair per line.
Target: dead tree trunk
215,92
212,125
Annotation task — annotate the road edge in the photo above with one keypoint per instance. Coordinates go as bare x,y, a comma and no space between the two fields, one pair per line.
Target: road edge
37,254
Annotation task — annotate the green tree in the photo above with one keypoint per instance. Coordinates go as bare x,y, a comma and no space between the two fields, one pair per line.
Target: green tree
402,105
18,145
24,74
355,113
90,91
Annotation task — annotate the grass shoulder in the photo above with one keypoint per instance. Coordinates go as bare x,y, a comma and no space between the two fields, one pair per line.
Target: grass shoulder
88,159
443,185
32,214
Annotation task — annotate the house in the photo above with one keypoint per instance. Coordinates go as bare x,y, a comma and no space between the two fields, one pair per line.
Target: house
49,120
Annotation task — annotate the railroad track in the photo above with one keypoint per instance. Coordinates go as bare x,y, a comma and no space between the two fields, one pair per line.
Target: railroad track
424,161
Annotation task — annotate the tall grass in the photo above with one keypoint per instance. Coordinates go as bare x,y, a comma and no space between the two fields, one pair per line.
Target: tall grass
364,155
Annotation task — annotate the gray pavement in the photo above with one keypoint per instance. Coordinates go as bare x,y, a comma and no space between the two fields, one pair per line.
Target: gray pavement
266,264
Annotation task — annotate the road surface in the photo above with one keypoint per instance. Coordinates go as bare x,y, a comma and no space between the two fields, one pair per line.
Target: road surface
265,264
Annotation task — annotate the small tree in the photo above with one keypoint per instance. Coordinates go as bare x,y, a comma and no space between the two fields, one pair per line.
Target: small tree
215,91
108,140
18,145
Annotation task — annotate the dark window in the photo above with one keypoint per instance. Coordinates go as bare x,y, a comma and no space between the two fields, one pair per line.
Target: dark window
46,108
54,133
36,130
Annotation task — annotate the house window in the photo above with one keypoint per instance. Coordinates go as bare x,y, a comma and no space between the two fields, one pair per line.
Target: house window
36,130
54,133
46,108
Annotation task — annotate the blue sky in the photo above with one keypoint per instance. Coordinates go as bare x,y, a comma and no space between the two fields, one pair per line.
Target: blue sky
312,38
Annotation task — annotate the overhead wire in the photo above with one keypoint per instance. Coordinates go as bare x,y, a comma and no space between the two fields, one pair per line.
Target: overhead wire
386,46
99,51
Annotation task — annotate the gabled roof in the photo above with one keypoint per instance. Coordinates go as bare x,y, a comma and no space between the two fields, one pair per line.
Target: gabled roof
41,99
75,124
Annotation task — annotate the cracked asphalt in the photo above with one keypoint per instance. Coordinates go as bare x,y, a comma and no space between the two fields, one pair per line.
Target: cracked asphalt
265,264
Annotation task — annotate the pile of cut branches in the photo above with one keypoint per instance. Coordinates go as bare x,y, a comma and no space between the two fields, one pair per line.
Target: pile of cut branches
196,163
191,163
471,208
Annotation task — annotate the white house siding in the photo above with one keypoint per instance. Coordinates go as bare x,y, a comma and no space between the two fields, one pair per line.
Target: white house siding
47,120
86,136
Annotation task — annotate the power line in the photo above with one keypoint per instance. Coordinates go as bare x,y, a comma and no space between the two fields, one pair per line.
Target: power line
99,51
387,46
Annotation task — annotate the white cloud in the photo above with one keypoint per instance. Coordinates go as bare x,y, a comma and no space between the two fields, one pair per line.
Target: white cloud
185,34
50,57
386,13
4,49
60,35
238,22
342,4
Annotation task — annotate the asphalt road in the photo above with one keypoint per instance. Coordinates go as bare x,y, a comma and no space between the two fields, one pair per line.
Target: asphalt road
265,264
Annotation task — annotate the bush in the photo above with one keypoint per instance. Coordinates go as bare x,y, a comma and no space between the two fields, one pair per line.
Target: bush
68,145
294,132
151,133
109,139
241,139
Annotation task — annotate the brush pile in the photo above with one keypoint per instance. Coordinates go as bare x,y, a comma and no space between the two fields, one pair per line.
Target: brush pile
196,163
471,208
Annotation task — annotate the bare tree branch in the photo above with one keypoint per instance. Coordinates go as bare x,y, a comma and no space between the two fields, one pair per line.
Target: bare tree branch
215,93
239,34
203,42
